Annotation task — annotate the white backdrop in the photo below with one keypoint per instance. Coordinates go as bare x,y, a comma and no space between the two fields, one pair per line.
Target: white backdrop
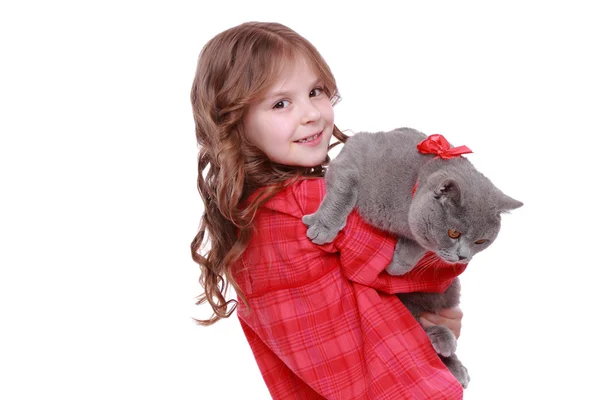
99,205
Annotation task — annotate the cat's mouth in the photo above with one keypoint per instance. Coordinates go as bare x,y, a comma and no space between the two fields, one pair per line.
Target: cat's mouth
455,260
452,258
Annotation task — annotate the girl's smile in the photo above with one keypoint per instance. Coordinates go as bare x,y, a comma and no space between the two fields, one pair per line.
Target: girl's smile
311,140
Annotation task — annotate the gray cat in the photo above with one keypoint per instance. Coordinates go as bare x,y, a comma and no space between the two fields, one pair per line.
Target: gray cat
431,203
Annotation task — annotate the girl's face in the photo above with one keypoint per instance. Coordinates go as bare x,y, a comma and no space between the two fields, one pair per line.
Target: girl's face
293,123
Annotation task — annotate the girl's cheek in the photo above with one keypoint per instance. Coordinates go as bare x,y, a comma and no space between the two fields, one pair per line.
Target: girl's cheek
329,115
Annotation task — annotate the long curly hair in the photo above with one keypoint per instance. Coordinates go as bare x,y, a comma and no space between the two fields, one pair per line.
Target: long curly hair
236,68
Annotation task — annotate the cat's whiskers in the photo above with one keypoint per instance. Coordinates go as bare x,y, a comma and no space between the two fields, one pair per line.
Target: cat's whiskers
422,270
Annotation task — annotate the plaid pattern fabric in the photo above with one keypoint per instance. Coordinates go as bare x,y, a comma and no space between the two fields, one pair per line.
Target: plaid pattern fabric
323,321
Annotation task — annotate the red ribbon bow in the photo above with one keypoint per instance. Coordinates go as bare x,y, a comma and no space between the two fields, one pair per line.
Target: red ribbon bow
437,144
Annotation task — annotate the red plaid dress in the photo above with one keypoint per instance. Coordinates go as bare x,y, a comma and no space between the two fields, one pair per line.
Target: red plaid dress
324,323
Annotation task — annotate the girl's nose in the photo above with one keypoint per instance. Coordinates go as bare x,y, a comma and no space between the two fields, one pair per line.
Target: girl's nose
310,113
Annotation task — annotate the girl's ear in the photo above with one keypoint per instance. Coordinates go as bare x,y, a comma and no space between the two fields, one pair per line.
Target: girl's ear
448,191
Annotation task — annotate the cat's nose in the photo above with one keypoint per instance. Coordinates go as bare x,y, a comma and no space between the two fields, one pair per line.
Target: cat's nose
463,253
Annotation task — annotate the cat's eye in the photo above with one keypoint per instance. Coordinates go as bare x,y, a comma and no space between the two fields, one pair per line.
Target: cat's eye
481,241
453,233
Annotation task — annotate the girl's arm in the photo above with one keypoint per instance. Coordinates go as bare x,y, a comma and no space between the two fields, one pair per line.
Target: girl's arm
365,253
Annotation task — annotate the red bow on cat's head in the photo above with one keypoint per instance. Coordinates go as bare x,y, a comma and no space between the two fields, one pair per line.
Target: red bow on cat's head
437,144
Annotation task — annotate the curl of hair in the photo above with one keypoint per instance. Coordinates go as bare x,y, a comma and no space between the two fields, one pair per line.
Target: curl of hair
236,68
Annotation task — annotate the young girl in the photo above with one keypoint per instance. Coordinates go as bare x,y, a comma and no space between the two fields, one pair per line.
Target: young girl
322,321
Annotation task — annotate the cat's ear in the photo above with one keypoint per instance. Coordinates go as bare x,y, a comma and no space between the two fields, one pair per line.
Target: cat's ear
448,191
507,203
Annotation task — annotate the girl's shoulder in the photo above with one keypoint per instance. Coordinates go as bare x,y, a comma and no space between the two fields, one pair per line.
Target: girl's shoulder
298,198
280,255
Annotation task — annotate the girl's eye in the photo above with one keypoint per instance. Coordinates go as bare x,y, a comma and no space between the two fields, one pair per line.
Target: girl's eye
281,104
315,92
453,233
481,241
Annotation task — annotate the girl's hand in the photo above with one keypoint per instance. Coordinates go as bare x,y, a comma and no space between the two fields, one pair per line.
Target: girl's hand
449,317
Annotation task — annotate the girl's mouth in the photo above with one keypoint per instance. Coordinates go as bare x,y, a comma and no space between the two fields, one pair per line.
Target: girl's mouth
310,139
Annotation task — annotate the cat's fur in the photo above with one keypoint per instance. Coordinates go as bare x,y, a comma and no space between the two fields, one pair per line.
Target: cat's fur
377,174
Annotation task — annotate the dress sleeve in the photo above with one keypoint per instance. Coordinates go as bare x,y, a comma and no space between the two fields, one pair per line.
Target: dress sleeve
365,253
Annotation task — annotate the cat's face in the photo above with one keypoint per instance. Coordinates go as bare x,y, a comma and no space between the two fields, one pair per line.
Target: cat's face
458,218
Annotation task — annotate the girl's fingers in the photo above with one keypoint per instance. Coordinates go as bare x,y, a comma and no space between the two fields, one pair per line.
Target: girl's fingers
452,313
450,318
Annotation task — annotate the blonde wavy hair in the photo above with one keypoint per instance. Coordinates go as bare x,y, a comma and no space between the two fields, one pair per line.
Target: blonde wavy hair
235,69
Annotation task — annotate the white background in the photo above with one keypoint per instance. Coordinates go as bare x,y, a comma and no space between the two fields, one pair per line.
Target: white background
99,205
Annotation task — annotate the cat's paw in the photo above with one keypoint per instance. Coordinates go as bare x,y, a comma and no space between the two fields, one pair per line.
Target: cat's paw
398,267
317,231
407,254
459,371
462,376
442,339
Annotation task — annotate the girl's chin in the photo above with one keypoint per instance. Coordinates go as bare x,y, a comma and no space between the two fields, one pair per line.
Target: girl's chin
311,162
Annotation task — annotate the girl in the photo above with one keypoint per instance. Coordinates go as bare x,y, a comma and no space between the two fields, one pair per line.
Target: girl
322,321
